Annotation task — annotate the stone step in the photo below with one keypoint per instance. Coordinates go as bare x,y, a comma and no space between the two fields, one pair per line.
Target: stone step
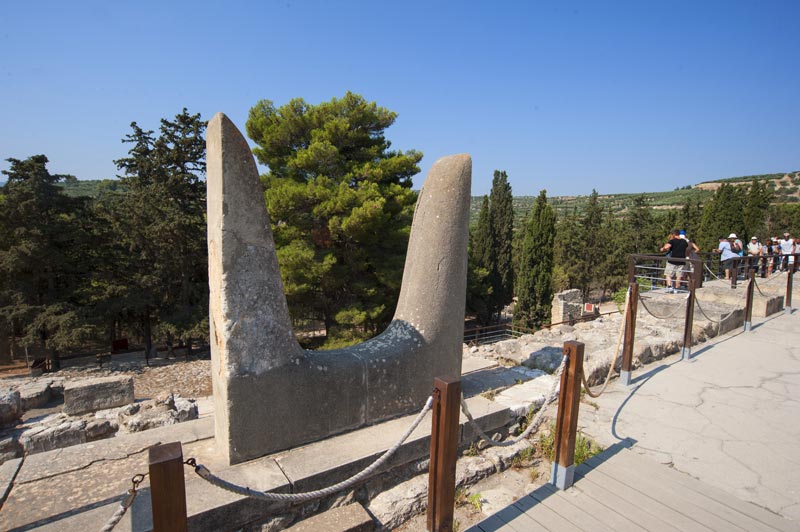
96,475
350,518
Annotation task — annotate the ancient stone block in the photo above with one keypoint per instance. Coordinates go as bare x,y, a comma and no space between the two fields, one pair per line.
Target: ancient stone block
10,407
34,395
100,429
269,394
48,437
90,395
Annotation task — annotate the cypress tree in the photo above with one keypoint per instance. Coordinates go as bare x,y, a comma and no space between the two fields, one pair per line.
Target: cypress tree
592,254
723,214
501,214
534,287
481,264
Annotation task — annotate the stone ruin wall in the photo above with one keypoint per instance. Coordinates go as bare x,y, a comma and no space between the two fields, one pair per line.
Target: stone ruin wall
567,304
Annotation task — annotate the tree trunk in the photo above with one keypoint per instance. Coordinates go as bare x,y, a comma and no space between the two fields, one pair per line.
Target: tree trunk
148,337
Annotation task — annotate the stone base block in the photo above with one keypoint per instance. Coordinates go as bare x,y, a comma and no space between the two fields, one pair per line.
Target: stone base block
90,395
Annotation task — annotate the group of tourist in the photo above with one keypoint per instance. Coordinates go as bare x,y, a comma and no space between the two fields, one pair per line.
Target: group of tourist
773,255
770,257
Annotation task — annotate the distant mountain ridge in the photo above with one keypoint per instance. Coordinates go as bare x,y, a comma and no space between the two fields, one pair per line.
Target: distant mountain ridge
785,186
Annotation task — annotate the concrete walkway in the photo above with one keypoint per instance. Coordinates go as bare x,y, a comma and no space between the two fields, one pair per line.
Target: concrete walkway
729,417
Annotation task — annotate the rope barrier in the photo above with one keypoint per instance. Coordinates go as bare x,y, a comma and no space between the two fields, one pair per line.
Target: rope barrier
204,473
124,504
534,422
674,313
614,355
703,312
712,274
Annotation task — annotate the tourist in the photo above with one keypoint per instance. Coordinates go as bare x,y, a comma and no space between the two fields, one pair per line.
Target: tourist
676,249
754,253
768,257
691,254
726,255
787,248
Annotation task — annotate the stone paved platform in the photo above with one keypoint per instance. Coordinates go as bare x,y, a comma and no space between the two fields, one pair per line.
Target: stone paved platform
728,417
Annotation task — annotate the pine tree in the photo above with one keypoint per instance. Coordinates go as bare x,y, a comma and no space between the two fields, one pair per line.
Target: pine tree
42,268
160,220
340,203
501,214
534,287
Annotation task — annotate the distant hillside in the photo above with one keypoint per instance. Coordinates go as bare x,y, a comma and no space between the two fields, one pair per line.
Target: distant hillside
90,188
785,186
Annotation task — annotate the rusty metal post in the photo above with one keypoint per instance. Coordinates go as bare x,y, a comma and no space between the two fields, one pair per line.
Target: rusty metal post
688,323
787,306
630,334
697,266
444,448
167,490
748,309
569,396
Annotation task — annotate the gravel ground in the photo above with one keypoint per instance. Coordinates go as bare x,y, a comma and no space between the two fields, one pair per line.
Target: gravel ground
190,379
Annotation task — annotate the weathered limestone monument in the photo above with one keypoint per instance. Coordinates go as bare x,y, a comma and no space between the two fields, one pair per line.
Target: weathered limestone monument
269,393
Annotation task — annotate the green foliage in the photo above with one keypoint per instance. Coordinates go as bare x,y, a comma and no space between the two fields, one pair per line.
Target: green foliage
480,301
722,215
534,279
156,230
340,204
42,269
585,448
781,218
501,219
756,203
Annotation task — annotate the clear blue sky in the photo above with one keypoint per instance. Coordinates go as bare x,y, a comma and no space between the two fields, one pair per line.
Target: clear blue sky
567,96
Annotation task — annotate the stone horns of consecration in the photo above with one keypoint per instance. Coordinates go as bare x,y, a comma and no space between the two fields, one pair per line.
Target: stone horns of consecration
270,394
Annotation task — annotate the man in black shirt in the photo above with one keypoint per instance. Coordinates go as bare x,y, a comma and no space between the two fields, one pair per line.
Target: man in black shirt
676,248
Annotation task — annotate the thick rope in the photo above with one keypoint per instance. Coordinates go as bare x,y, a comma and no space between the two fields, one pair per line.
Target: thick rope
714,275
203,472
725,317
674,313
124,504
534,422
614,355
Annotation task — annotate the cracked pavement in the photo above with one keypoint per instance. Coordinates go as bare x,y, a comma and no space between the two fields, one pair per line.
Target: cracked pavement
729,417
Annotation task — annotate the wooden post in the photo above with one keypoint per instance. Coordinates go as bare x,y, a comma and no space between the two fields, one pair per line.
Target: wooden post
167,490
748,309
630,334
569,397
444,448
787,306
688,322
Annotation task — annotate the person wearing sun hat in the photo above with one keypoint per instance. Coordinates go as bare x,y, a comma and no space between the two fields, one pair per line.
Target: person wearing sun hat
753,252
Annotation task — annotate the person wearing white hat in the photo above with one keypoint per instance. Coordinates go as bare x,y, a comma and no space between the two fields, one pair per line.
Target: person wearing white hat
787,248
754,252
